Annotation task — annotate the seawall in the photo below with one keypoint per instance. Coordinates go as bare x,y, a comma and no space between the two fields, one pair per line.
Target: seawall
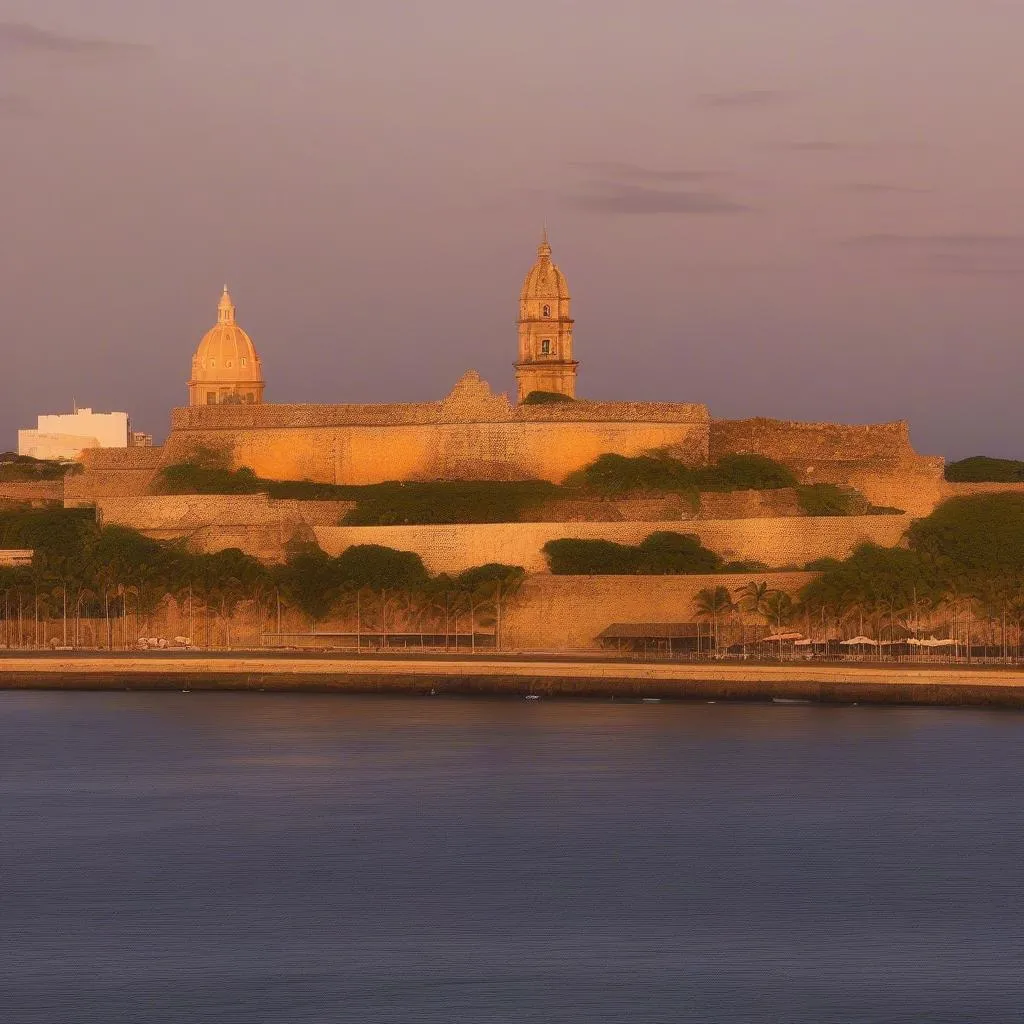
828,684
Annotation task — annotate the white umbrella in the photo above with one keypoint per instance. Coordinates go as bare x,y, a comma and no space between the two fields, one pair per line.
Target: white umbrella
859,641
783,636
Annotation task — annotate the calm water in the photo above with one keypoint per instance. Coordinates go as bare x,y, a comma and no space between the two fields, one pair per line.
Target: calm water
250,858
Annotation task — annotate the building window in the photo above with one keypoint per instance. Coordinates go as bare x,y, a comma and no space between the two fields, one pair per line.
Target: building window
545,347
213,363
211,397
547,311
243,360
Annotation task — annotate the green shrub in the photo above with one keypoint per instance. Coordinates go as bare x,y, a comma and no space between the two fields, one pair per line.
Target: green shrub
196,478
611,475
571,557
446,502
25,469
659,473
831,500
483,577
744,473
676,554
372,565
745,566
982,469
546,398
662,553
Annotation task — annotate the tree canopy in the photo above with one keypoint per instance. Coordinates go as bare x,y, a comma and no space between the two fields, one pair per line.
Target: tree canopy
661,553
982,469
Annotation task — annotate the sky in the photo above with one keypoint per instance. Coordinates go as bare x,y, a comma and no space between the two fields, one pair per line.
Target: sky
804,209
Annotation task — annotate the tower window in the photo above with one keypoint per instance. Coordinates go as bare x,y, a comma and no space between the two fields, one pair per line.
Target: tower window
545,347
547,311
213,363
243,360
229,362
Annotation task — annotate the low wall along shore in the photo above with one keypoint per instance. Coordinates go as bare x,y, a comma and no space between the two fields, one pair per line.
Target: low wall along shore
829,684
789,542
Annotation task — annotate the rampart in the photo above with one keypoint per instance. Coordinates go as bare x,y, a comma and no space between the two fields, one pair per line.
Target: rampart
112,472
471,434
780,542
877,459
258,525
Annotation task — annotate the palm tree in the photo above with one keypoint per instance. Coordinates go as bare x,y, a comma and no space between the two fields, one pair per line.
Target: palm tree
713,602
754,598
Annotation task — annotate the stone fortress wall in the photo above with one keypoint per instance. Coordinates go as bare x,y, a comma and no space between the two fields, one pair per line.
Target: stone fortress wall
112,472
470,435
877,459
31,492
254,523
779,543
569,612
474,434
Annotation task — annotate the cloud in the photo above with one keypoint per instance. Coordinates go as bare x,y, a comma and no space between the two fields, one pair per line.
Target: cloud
741,99
616,170
21,38
640,199
939,243
868,188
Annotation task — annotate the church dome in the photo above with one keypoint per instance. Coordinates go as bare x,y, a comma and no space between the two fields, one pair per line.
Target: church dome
226,368
545,280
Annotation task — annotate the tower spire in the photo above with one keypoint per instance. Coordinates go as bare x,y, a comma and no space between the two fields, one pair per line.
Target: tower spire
225,308
544,249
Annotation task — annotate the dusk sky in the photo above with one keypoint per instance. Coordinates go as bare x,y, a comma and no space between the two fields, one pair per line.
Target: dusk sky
807,209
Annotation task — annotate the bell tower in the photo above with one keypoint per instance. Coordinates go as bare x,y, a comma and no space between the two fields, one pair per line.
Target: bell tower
545,331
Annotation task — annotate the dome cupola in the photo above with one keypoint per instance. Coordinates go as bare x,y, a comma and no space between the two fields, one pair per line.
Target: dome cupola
226,369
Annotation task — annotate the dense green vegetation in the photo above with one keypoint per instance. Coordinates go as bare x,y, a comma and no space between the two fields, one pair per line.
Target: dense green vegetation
471,501
386,504
968,554
546,398
80,569
982,469
662,553
24,469
833,500
660,473
495,501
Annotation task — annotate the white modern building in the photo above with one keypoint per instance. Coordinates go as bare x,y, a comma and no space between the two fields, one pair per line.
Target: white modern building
67,436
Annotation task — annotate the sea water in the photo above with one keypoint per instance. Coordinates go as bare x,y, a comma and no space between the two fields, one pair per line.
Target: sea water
262,857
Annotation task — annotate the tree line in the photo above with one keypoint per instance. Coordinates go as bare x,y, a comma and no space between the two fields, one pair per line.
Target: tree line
960,568
81,570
